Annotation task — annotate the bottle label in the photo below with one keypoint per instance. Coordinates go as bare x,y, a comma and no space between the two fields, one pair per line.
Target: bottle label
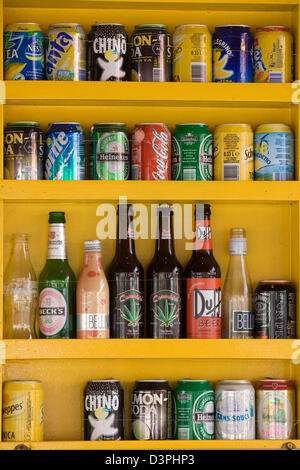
52,311
166,307
203,239
204,308
57,242
93,322
130,305
243,321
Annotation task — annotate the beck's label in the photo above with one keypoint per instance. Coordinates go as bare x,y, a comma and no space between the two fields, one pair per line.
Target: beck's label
52,311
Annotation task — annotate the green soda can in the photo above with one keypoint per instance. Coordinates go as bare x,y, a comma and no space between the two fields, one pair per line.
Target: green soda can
192,153
194,401
109,152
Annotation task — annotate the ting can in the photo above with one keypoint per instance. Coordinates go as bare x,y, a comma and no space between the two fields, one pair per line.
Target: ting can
194,400
152,410
275,405
233,54
192,153
64,151
151,53
22,411
192,53
151,152
23,151
109,152
235,410
103,405
273,153
23,52
66,52
233,152
275,310
108,53
273,55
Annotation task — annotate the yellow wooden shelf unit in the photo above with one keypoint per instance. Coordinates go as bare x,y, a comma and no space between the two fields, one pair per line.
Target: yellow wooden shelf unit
269,211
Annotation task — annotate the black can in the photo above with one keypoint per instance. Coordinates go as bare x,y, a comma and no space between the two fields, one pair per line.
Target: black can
151,53
107,53
23,151
152,410
275,310
103,410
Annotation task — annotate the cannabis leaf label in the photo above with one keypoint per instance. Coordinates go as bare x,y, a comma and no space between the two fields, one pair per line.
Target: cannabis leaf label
166,316
132,315
131,307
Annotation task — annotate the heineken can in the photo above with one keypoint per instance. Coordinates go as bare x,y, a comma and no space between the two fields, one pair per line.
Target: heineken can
152,410
192,153
194,400
109,152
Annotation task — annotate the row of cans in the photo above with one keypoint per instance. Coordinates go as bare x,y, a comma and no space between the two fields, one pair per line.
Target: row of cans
191,55
194,411
233,153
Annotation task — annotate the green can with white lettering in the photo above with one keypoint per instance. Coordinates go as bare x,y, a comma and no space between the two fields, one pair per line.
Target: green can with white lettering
194,400
192,149
109,152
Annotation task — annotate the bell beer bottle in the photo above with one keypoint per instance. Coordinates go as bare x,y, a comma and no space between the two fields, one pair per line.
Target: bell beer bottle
203,282
57,285
164,283
126,282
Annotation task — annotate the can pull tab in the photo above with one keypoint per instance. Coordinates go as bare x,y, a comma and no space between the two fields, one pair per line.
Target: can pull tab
288,446
21,447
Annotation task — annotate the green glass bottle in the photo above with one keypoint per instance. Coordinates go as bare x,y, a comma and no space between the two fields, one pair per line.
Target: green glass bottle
57,285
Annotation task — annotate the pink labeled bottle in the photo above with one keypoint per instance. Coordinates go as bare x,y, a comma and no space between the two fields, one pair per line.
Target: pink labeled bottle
92,295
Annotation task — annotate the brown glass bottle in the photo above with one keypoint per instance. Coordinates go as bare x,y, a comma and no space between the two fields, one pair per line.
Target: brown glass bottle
164,283
203,282
126,282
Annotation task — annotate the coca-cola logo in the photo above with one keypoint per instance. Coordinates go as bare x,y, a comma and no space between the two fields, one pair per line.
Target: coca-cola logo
160,145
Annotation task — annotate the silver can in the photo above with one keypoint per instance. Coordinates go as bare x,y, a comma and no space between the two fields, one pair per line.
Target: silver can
235,410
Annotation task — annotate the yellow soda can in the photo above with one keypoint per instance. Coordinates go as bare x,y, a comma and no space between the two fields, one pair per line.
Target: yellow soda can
233,152
22,410
273,55
192,53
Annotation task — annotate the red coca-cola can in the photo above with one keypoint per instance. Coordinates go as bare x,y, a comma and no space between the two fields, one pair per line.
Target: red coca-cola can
151,152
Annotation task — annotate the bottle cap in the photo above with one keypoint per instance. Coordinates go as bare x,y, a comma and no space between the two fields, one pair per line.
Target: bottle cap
202,210
92,245
57,218
238,242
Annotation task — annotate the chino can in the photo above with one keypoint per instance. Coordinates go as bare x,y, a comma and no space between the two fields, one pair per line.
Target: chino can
103,405
275,405
152,410
194,400
151,53
23,52
192,53
22,411
235,410
65,151
232,54
275,310
233,152
151,152
23,151
273,55
66,52
108,53
273,153
192,153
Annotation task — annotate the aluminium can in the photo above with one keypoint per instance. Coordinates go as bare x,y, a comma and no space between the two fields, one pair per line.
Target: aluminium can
274,153
192,153
66,52
232,54
22,410
103,405
152,410
192,53
64,151
235,410
194,401
23,52
276,405
23,151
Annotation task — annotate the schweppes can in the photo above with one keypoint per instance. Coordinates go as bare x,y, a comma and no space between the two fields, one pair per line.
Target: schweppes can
233,152
22,411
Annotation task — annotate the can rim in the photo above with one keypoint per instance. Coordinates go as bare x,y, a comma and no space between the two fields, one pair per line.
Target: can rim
150,25
234,381
109,124
151,381
104,380
193,380
273,124
61,24
107,24
150,124
21,22
275,281
192,124
64,122
283,28
23,122
234,124
275,380
233,25
23,381
191,24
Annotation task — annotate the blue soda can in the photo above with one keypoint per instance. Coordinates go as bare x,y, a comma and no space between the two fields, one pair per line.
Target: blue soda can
233,54
23,52
65,151
273,153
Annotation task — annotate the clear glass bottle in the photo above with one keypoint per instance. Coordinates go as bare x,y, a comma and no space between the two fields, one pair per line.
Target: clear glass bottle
237,298
20,292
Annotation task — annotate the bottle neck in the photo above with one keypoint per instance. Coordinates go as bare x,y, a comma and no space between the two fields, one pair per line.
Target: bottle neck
20,249
125,236
165,238
203,239
57,242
